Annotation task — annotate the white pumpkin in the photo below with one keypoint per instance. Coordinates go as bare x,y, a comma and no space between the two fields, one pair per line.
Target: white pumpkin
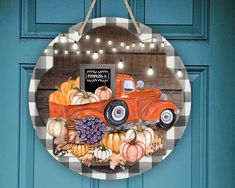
56,127
102,153
84,97
144,134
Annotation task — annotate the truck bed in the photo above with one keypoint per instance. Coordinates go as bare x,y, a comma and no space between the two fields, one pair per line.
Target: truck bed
72,111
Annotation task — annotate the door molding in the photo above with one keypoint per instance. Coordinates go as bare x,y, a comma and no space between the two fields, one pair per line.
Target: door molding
197,30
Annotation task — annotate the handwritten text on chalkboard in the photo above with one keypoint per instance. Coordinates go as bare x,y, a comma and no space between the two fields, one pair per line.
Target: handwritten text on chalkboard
97,75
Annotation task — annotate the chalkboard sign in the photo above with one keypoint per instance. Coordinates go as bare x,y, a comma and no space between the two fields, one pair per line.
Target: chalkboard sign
94,76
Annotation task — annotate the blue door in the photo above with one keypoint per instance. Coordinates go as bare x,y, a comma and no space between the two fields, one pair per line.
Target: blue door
202,32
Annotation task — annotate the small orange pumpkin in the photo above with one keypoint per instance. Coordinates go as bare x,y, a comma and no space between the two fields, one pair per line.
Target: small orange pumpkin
79,149
133,150
58,97
104,92
68,85
113,140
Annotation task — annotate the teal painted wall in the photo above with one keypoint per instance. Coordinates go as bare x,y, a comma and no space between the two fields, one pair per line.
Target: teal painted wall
202,32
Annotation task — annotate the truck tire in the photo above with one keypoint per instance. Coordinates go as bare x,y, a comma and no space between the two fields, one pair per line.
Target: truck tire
116,112
167,118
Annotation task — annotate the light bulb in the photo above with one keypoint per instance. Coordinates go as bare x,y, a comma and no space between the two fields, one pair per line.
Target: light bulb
78,52
98,40
162,44
63,39
66,52
110,42
95,55
150,71
75,45
45,51
179,73
152,45
114,49
122,44
101,51
87,37
55,51
88,52
133,45
142,44
120,64
154,39
127,47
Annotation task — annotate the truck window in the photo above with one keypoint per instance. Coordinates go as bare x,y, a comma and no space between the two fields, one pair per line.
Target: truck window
128,85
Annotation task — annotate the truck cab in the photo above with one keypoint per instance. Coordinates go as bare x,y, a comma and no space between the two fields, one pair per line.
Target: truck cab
143,104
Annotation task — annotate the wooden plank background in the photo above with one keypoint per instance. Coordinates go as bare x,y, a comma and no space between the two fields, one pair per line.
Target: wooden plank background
137,61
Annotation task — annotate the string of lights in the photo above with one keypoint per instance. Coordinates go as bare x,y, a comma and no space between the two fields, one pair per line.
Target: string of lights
121,64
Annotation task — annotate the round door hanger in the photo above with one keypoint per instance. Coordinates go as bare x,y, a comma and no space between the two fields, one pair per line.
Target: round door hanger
109,104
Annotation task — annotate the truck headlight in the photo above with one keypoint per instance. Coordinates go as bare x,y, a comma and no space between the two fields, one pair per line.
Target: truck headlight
163,97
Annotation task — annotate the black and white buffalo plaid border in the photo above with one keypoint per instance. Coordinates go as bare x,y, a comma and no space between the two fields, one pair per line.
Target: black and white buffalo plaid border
173,62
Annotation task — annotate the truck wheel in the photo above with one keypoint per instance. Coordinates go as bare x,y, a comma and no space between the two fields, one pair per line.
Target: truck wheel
167,119
116,112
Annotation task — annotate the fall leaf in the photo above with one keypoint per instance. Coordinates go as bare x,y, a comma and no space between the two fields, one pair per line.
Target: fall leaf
63,148
102,161
86,159
59,140
155,146
117,160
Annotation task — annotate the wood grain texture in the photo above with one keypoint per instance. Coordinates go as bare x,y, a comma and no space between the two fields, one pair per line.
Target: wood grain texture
137,61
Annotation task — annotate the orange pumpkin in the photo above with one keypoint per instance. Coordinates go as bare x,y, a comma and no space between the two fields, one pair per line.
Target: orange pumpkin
133,150
58,97
113,140
79,149
68,85
104,92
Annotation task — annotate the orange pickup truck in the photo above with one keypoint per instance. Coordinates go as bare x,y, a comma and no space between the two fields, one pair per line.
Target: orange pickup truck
130,105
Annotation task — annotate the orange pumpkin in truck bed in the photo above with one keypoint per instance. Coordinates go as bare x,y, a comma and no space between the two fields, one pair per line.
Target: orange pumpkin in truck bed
128,106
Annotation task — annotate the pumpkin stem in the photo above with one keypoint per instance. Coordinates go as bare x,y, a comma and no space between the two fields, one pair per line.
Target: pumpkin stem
122,128
59,119
80,142
133,141
139,128
58,88
69,78
104,88
102,147
85,94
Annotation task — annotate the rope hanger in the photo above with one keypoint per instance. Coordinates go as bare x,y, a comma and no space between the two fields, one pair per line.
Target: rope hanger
91,8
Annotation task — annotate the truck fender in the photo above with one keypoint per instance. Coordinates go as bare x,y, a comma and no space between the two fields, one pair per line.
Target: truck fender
87,113
153,111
